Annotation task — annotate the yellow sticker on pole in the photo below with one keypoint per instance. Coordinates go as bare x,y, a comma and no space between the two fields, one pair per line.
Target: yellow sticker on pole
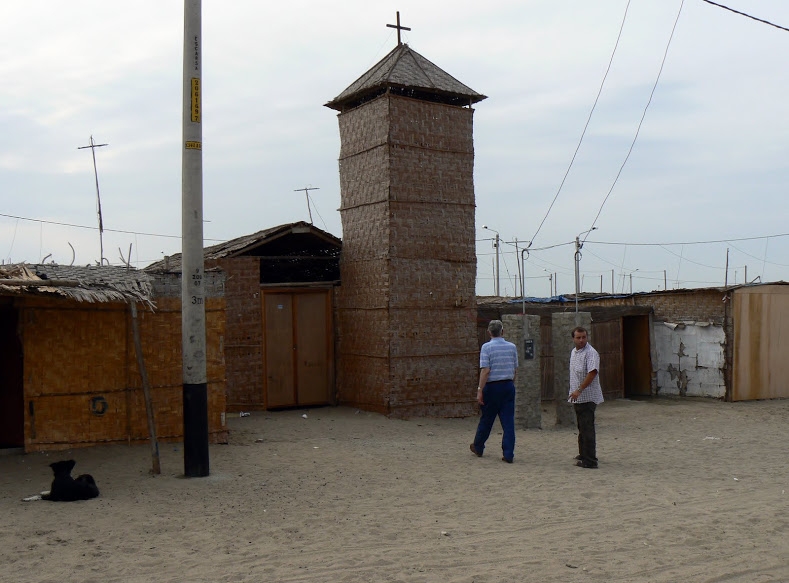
195,100
194,146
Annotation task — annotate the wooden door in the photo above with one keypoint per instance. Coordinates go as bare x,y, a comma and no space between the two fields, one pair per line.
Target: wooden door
312,343
298,348
606,337
280,350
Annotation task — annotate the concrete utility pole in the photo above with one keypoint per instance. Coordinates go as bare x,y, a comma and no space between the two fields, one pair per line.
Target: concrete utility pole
578,247
496,245
98,196
195,385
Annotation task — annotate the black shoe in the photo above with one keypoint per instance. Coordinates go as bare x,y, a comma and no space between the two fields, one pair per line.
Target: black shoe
579,458
585,465
509,461
474,450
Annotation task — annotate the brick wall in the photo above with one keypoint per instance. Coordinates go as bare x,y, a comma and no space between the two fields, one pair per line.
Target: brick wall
406,316
704,305
243,333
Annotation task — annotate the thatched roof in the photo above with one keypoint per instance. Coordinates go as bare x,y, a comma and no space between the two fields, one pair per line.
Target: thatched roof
90,283
406,72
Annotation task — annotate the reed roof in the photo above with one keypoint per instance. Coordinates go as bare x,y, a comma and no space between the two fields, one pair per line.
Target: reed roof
89,283
406,72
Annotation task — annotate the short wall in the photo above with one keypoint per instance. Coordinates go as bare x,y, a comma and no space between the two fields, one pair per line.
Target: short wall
518,329
690,359
82,385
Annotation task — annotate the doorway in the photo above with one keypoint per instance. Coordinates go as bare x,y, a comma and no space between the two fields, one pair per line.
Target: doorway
298,348
637,364
12,402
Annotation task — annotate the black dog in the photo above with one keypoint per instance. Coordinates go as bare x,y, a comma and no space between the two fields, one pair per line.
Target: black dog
67,489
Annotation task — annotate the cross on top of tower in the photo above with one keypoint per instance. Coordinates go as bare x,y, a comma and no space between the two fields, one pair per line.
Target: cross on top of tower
398,27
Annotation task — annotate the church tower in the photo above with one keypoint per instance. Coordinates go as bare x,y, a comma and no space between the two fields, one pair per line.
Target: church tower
407,317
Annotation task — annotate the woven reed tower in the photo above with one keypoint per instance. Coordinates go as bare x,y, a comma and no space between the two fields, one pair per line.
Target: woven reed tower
406,307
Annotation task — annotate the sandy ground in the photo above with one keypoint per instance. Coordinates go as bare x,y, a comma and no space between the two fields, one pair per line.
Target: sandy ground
686,491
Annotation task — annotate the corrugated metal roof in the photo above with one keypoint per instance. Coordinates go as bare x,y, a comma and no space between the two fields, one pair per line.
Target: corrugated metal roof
244,244
404,67
89,283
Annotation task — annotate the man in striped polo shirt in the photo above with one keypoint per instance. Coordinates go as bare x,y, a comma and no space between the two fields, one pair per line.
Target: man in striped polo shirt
498,362
586,393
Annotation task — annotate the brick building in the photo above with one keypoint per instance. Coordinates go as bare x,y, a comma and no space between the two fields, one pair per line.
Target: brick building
279,290
726,343
406,310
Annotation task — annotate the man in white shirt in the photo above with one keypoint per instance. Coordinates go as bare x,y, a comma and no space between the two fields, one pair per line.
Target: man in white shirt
586,394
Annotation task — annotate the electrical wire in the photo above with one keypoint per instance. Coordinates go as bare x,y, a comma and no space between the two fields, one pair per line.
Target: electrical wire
746,15
96,228
763,260
640,123
589,119
690,242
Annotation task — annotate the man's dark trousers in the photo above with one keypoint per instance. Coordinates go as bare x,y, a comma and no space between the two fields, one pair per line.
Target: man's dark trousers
587,446
499,399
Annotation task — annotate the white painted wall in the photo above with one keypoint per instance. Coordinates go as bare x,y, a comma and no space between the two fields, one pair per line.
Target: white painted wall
690,359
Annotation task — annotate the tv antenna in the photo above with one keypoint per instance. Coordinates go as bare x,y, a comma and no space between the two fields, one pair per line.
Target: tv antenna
93,147
306,190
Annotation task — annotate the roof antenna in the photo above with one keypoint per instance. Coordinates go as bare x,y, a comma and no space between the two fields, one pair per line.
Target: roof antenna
398,27
98,196
306,190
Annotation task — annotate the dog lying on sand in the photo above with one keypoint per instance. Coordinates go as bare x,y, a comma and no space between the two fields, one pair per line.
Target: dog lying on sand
65,488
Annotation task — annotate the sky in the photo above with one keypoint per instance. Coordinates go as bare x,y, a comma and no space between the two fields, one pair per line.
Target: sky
706,177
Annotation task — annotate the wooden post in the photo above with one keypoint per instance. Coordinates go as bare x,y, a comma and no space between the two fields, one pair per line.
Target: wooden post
146,390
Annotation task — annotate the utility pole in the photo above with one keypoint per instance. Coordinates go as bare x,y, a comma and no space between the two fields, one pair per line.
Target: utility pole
195,385
578,247
306,190
496,245
726,277
520,280
98,196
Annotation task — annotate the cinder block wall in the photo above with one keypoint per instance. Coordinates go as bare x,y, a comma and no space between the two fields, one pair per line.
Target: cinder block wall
406,308
517,329
705,305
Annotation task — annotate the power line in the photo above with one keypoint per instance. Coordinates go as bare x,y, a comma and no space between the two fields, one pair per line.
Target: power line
690,242
746,15
640,123
589,119
96,228
762,259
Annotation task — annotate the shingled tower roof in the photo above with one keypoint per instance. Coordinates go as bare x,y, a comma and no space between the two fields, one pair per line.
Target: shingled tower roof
405,72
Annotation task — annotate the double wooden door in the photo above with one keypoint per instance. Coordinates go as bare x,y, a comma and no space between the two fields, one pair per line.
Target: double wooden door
298,348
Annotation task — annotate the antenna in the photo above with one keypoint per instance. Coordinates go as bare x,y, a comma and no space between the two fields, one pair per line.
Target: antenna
306,190
98,195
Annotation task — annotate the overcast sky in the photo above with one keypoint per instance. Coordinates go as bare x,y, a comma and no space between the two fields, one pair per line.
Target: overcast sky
711,160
